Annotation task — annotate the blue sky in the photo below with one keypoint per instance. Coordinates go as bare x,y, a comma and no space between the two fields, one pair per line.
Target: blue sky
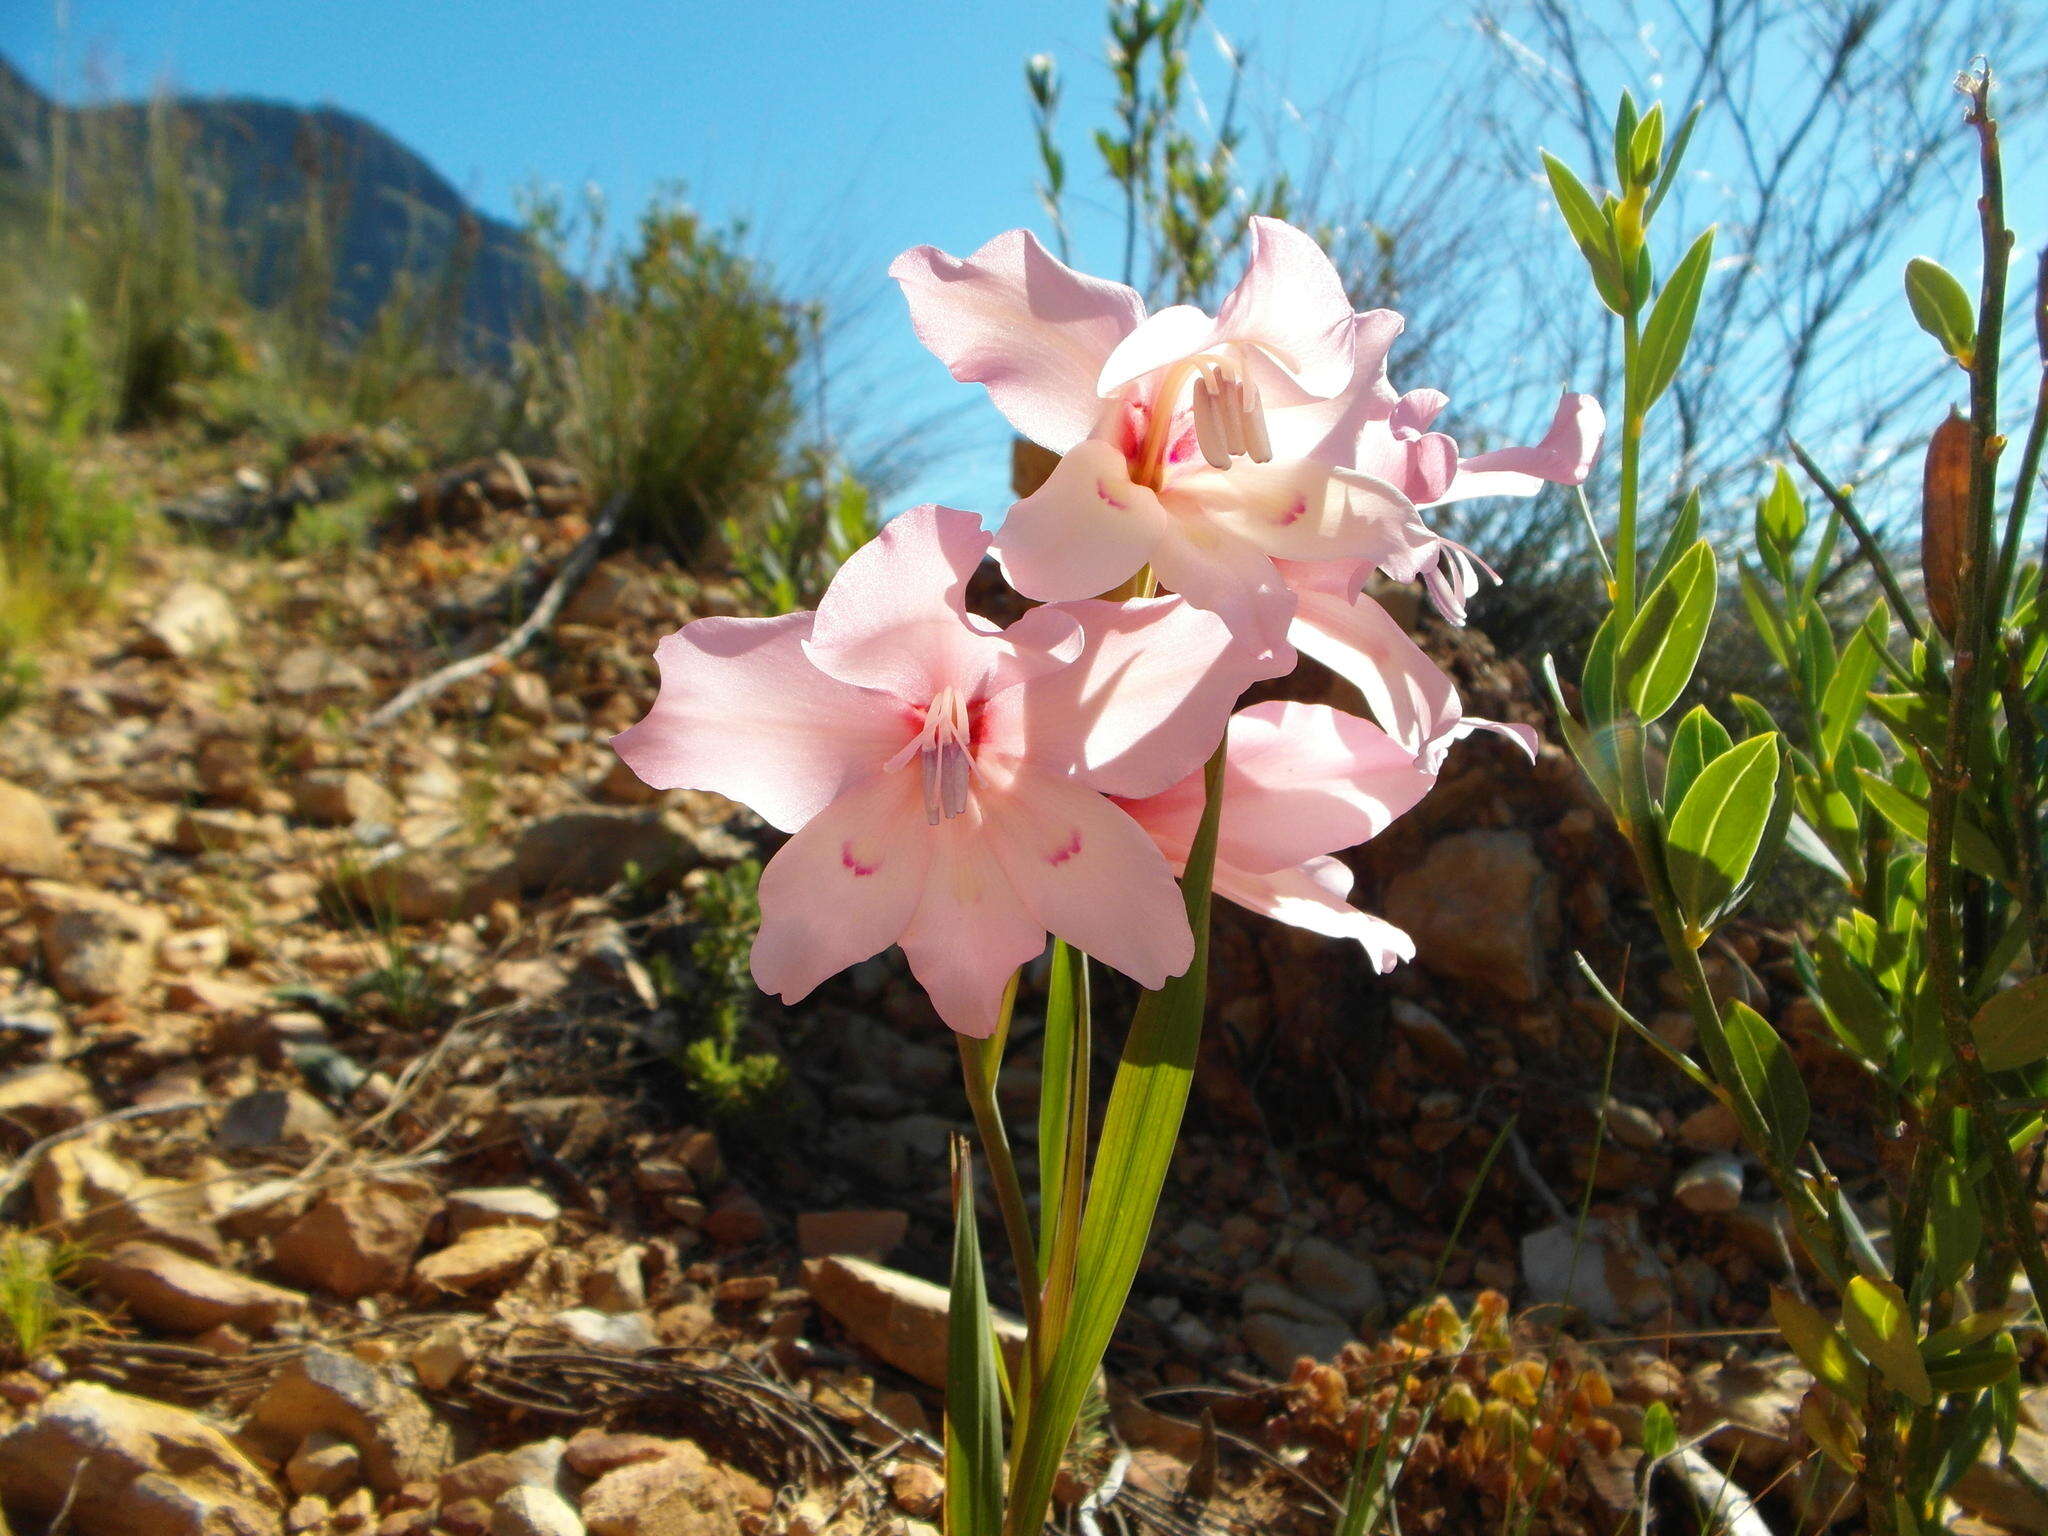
841,132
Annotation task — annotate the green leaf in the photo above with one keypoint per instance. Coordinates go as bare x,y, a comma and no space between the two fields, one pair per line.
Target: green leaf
1765,617
1684,529
1974,848
1955,1228
1669,328
1842,706
1660,1431
1624,139
1819,1345
1699,739
1672,161
1597,678
1880,1325
1855,1006
1139,1129
1647,146
1769,1076
2011,1028
1780,514
1777,827
1716,833
974,1398
1662,647
1943,308
1971,1370
1589,231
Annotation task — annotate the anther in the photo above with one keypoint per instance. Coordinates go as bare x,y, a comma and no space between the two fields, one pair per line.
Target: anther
1208,430
1258,443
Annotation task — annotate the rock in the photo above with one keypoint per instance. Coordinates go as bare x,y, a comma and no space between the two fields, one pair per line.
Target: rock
126,1466
594,1452
200,830
527,1511
620,785
46,1098
619,1283
230,770
864,1234
482,1258
1711,1186
359,1239
490,1476
400,1440
30,847
193,618
736,1220
96,946
441,1358
338,797
1632,1126
324,1466
1430,1036
590,851
273,1117
682,1494
1996,1492
1481,908
1747,1407
1614,1278
1278,1341
611,595
1710,1128
513,1207
314,673
88,1195
1327,1275
897,1317
917,1489
630,1333
171,1290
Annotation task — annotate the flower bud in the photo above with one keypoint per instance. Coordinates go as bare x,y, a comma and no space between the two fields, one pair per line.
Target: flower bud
1945,519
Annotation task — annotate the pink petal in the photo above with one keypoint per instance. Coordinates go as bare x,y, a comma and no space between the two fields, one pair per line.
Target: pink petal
895,619
1013,318
1328,430
1300,780
1408,694
1311,896
1087,529
1233,578
743,713
844,887
1291,305
1414,411
1144,706
1174,333
972,930
1306,779
1300,510
1090,874
1421,467
1564,457
1414,702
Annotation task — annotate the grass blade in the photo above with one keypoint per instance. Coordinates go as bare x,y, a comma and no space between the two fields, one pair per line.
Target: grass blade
974,1405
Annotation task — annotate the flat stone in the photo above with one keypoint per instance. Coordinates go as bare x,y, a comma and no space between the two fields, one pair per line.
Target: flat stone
95,945
400,1440
1712,1186
341,797
30,846
683,1494
513,1207
1481,908
89,1195
325,1466
46,1098
495,1473
358,1240
591,851
629,1333
174,1291
480,1259
274,1117
528,1511
1710,1128
191,619
1278,1341
1613,1276
125,1466
1348,1285
897,1317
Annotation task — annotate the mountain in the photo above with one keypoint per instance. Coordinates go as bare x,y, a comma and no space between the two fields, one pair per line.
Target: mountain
389,211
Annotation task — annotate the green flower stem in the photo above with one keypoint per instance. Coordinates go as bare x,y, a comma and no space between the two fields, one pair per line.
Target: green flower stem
979,1060
1631,471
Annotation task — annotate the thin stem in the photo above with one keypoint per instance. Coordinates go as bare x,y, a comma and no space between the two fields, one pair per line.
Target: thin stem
978,1059
2030,457
1880,567
1631,474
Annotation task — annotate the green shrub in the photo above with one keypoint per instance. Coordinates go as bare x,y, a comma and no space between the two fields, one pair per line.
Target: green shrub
671,381
735,1087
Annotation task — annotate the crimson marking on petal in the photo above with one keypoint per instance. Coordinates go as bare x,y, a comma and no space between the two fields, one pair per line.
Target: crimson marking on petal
1066,850
853,862
1102,490
1295,513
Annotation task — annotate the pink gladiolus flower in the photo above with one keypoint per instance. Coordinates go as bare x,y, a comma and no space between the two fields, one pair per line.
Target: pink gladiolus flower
945,780
1188,442
1301,781
1407,693
1390,436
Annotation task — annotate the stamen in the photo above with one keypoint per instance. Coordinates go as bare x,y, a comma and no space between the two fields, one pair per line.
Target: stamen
1232,413
1208,430
946,762
1258,442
